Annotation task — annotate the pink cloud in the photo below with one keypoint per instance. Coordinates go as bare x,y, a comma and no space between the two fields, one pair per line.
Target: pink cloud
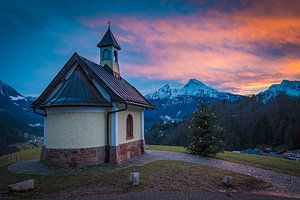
218,48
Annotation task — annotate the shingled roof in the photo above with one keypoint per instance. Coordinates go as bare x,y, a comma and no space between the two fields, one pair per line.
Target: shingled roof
109,40
79,89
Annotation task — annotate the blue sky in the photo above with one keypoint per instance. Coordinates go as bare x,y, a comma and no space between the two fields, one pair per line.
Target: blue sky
234,46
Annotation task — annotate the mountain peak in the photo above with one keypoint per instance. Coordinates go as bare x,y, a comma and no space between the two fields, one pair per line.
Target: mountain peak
195,81
9,92
195,87
163,92
165,87
287,87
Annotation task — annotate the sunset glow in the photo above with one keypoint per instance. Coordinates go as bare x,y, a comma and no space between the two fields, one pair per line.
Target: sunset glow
240,47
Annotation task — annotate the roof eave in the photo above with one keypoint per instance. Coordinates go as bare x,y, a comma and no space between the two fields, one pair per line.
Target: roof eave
107,45
75,105
150,106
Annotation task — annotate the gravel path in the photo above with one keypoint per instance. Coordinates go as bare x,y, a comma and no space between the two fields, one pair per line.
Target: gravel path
282,184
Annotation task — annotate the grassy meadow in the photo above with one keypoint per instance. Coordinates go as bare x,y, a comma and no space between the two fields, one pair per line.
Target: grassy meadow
155,176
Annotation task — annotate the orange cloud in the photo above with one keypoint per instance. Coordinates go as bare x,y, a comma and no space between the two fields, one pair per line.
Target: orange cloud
246,49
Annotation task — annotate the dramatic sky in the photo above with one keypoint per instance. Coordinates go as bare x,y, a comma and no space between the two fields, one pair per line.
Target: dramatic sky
235,46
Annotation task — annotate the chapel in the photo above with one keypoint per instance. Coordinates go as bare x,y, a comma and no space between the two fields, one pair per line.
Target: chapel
91,113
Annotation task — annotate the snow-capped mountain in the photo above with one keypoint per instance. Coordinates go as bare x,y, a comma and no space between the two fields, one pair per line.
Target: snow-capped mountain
176,103
193,88
289,88
17,105
163,92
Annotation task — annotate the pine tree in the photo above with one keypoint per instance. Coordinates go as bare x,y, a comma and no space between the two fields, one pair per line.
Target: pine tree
205,136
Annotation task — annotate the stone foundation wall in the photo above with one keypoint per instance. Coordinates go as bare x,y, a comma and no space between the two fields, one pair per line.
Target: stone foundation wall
83,157
71,158
126,151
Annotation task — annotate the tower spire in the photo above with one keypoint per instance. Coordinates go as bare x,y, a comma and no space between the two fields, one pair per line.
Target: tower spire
109,48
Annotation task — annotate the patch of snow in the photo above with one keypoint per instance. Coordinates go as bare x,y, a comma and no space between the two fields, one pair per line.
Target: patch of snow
163,92
167,117
16,104
178,113
34,125
17,98
2,91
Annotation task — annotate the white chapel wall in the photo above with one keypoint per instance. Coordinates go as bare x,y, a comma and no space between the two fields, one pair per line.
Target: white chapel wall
74,128
137,124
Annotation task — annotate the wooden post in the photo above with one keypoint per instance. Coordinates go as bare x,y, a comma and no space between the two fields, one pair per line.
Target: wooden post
17,156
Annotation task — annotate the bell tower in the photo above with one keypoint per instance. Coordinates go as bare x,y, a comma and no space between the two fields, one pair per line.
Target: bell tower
109,48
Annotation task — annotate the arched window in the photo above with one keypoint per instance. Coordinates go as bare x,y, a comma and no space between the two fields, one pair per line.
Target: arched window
106,55
129,127
115,56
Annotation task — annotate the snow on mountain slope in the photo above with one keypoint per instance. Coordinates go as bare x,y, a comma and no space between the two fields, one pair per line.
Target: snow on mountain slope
289,88
197,88
177,103
15,104
17,98
163,92
193,88
6,90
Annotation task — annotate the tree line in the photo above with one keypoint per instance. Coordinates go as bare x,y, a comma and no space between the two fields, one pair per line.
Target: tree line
246,124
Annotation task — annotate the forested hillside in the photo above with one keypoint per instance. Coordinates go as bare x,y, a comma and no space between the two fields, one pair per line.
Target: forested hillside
14,131
246,123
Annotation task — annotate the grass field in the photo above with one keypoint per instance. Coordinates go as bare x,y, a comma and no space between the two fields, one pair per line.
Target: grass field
23,155
272,163
155,176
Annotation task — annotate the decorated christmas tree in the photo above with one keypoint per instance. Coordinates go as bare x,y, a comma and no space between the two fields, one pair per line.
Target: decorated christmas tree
205,136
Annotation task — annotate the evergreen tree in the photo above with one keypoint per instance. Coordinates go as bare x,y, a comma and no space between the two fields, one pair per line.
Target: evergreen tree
205,136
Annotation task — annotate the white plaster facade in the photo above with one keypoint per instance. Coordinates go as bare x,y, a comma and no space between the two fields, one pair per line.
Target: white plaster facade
118,125
84,127
73,128
137,124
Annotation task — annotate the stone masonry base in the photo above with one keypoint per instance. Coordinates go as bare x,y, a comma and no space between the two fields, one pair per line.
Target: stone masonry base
83,157
126,151
70,158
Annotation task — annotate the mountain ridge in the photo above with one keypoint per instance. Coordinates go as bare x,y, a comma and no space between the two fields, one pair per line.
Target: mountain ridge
177,103
193,87
287,87
14,103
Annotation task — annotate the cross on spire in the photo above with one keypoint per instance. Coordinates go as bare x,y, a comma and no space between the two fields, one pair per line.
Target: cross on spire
108,22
